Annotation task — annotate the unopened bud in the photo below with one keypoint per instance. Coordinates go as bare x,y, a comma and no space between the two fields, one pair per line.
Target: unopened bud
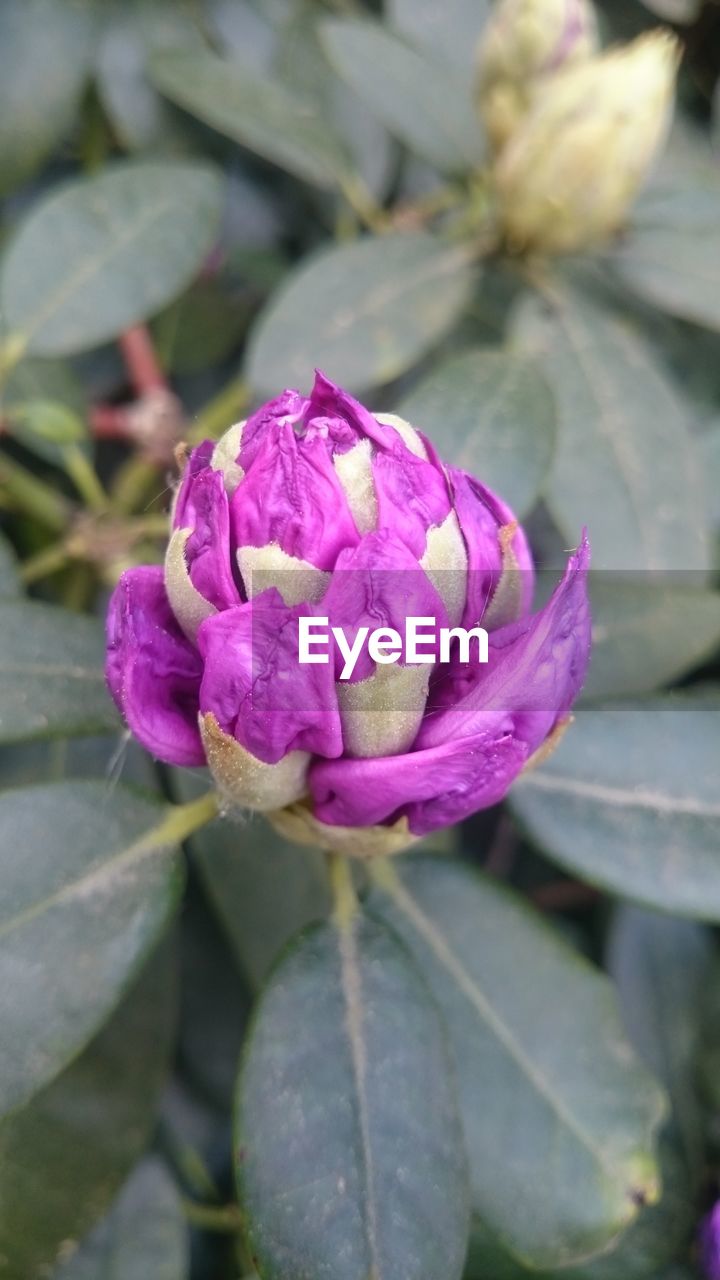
524,41
567,178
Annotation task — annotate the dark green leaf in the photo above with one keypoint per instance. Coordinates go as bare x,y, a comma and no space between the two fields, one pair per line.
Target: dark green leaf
365,311
144,1235
492,413
671,254
625,464
64,1157
629,801
51,673
202,328
648,632
559,1116
45,51
9,580
352,1162
450,30
255,112
420,99
89,883
661,967
103,253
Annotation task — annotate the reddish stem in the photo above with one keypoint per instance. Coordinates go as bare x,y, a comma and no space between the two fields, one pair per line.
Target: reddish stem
141,360
109,422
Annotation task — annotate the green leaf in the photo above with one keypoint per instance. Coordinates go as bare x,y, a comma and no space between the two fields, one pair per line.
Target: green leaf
103,253
9,580
710,452
255,112
241,868
64,1157
492,413
420,99
671,254
366,311
45,52
143,1236
559,1117
51,673
661,967
90,879
647,632
625,464
629,802
48,429
352,1163
675,10
451,30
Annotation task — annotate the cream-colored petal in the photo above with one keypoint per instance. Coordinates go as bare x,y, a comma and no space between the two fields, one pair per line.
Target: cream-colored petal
188,605
409,435
297,581
297,822
243,781
445,563
354,471
224,454
381,715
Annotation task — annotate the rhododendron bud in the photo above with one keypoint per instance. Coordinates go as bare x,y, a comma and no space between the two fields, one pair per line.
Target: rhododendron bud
317,518
524,41
569,174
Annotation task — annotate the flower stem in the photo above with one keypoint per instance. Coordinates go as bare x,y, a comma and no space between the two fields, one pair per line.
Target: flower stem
48,561
33,496
85,478
220,412
183,820
343,889
209,1217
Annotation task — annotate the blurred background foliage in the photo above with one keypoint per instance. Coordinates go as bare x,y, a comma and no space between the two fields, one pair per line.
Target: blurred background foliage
201,200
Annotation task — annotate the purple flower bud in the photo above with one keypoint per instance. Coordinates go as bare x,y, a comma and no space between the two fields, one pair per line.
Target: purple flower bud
316,517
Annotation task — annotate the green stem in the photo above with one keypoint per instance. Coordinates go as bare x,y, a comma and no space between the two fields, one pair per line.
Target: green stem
133,485
12,350
85,478
182,820
343,889
363,205
49,560
225,1218
33,496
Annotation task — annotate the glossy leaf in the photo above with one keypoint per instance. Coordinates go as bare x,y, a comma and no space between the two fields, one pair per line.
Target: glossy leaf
352,1161
263,888
418,97
9,580
367,311
629,801
661,967
144,1235
450,31
541,1065
671,254
45,53
253,111
492,413
89,883
648,631
100,254
70,1149
625,464
51,673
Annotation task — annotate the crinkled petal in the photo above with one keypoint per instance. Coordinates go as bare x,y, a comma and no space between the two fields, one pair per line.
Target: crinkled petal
535,671
412,496
197,460
482,515
152,669
207,549
431,788
258,691
291,497
264,427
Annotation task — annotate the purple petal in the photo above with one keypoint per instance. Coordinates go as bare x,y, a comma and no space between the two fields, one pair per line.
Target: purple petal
378,584
412,496
432,788
207,550
198,460
292,497
152,670
265,425
535,671
257,689
348,421
709,1240
482,515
